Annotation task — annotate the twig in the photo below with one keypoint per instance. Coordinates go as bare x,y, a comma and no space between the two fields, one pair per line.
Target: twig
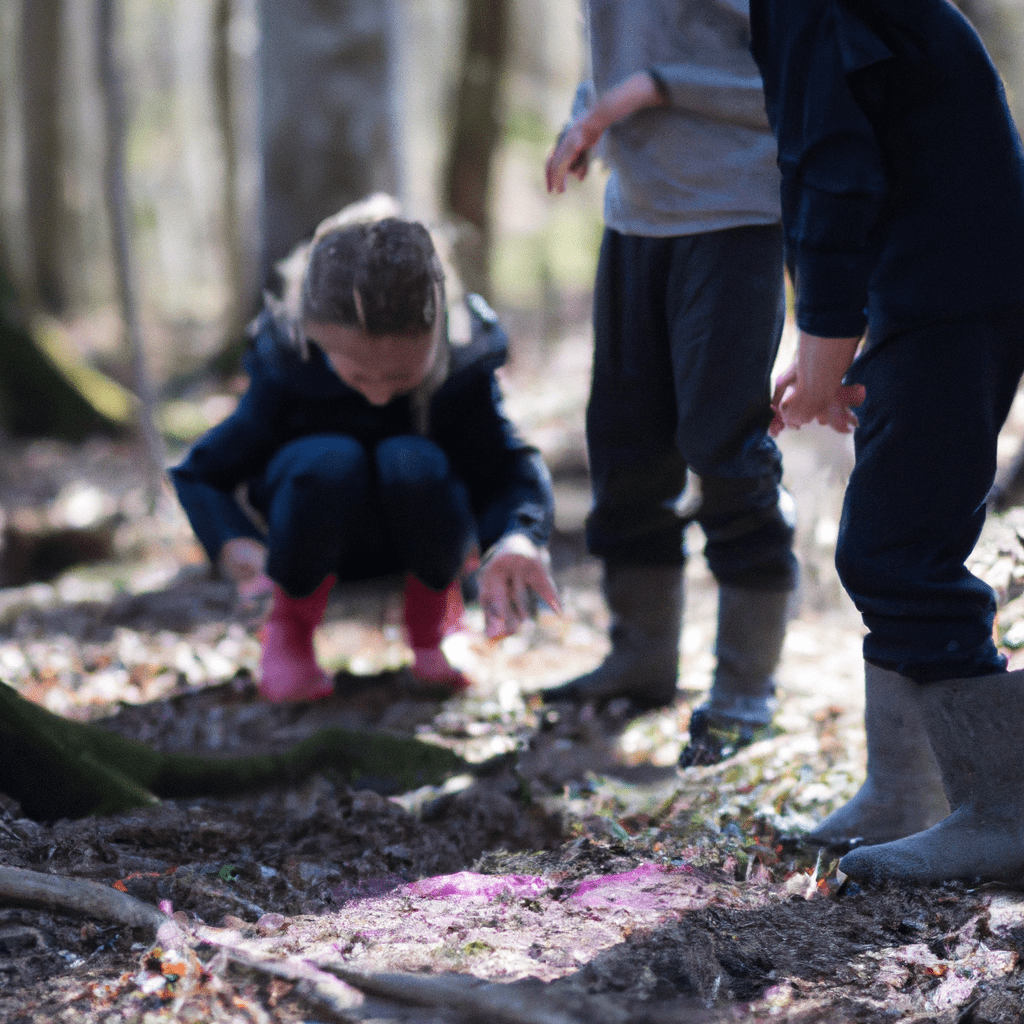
479,1000
23,888
228,897
332,998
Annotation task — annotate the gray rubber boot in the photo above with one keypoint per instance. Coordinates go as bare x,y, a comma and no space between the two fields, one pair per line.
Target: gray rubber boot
646,605
751,631
902,793
976,729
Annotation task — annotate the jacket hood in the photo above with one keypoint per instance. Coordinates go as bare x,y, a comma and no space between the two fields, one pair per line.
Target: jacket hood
474,343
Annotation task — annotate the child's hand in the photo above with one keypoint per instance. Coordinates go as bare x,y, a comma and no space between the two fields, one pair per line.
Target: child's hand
812,387
514,570
571,154
243,561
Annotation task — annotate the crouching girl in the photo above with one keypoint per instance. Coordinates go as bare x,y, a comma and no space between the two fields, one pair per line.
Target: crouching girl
370,443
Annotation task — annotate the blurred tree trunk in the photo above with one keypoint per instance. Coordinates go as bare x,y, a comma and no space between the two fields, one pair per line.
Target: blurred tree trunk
120,221
224,106
234,108
477,131
42,46
326,118
37,397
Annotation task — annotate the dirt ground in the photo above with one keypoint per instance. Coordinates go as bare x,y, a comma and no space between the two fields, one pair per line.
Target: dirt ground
588,880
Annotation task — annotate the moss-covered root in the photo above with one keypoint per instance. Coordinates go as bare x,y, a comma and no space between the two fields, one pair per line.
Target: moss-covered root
366,759
54,768
57,768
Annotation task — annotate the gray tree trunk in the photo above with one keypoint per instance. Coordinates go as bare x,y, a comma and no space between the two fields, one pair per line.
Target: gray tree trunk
478,127
236,111
42,40
124,258
327,134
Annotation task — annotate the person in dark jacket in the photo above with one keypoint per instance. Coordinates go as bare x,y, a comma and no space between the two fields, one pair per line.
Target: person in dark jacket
903,212
370,443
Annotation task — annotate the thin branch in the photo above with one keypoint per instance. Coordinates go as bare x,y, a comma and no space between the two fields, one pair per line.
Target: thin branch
22,888
479,1000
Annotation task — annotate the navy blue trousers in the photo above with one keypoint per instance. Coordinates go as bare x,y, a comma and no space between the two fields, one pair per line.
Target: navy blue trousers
686,331
915,503
332,506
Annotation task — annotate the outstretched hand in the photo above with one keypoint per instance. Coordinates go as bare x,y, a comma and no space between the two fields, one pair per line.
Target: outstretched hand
812,387
514,572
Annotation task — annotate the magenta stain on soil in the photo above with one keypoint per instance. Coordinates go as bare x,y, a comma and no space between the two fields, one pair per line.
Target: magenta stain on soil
629,890
469,884
366,889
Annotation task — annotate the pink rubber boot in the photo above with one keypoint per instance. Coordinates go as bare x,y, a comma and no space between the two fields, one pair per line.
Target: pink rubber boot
430,615
288,666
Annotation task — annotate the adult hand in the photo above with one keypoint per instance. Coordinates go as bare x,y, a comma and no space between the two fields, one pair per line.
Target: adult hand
514,570
812,388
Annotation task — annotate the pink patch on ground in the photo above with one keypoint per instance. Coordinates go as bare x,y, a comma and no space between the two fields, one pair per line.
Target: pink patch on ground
367,888
469,884
649,887
627,890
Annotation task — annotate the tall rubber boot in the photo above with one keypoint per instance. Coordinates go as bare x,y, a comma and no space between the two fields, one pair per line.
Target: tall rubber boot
976,730
646,605
902,793
288,666
751,631
430,615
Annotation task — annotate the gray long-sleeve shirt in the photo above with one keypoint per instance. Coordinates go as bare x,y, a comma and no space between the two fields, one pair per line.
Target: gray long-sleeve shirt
706,161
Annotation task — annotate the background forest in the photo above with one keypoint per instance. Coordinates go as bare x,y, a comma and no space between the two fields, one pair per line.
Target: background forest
157,156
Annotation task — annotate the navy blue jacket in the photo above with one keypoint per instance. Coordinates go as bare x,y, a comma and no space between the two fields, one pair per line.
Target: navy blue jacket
288,398
902,171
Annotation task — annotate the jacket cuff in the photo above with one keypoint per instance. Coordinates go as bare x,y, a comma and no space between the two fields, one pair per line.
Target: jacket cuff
831,295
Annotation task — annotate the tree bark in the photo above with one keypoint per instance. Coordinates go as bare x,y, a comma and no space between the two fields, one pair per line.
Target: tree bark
477,132
326,113
36,398
235,110
117,210
41,80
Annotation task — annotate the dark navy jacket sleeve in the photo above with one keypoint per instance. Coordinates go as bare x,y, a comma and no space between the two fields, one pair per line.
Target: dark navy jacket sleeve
228,455
508,482
509,485
833,171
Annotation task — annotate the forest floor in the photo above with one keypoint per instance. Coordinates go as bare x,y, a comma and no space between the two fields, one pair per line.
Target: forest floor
588,880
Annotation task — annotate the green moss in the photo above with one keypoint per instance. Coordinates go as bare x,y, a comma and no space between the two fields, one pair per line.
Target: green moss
57,768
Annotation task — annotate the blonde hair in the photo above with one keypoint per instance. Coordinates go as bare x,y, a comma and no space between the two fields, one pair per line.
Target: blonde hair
368,267
364,267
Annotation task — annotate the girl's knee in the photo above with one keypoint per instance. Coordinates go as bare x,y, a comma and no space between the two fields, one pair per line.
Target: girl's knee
409,461
321,466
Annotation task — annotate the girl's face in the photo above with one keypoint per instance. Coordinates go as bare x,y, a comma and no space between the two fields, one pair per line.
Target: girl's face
379,366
